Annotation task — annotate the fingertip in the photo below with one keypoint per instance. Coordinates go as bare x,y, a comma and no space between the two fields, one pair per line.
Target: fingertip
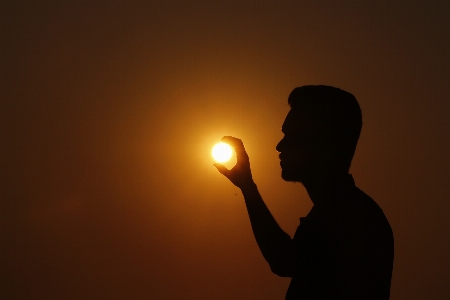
221,168
230,139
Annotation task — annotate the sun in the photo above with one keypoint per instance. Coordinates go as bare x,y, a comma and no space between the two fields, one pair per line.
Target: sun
221,152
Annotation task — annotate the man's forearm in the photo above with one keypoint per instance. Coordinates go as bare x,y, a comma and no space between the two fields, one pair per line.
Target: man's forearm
274,243
271,239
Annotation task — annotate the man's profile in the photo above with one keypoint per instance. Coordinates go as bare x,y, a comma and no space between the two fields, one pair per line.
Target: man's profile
344,247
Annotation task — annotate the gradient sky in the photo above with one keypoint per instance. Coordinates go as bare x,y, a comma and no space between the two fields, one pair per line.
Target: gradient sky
109,111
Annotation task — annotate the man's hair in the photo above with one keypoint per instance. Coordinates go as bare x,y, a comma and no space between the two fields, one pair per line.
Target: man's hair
337,109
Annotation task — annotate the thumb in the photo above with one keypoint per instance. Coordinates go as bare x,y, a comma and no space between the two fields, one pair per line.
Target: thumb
221,168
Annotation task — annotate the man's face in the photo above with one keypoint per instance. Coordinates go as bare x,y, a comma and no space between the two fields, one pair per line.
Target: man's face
303,151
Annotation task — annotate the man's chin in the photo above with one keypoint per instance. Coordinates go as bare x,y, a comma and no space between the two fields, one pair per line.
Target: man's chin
290,175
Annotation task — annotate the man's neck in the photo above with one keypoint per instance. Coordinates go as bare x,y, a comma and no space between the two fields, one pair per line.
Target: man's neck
324,189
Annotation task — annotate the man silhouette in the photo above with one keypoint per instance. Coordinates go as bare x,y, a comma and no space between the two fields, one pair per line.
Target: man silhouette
343,248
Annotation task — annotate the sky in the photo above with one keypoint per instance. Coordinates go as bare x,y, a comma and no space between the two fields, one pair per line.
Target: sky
109,111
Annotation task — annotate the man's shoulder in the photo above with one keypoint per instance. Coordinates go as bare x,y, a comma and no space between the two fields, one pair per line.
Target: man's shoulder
358,212
356,202
368,208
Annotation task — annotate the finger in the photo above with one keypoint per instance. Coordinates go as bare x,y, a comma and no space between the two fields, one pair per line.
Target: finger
222,169
232,140
238,145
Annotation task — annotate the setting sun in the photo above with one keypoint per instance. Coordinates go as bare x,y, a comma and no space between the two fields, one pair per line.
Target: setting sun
221,152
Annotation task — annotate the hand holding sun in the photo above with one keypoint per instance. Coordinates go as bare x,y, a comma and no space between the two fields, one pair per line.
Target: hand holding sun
240,175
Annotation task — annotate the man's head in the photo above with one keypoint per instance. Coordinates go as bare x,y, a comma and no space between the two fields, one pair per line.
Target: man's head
321,132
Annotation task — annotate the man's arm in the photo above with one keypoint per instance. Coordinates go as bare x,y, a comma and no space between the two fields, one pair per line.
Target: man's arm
274,243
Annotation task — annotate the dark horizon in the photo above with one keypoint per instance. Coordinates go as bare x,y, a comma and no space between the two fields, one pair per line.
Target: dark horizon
109,111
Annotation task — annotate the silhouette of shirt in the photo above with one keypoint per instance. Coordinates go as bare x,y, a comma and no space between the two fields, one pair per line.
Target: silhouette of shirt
344,248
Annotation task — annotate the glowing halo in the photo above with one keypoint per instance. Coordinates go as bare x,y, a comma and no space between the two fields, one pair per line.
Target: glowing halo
221,152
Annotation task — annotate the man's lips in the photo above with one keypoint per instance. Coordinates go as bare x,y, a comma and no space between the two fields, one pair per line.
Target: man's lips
282,161
283,157
285,160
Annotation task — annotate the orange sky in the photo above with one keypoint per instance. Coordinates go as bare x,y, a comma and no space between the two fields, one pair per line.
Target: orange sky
109,112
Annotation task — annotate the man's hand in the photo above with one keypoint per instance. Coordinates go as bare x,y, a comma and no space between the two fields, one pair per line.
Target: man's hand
240,175
274,243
